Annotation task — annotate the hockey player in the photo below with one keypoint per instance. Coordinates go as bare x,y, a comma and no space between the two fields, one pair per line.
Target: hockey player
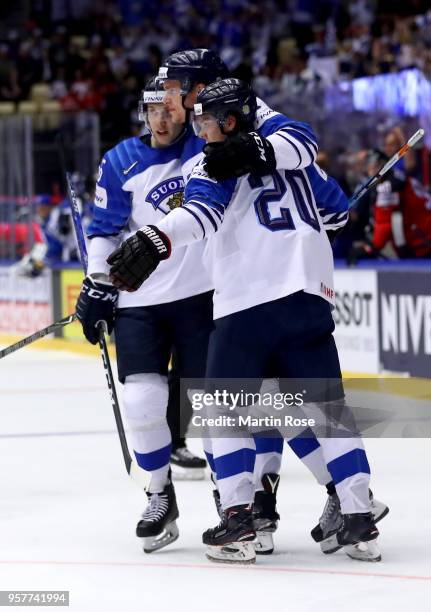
140,181
182,76
274,307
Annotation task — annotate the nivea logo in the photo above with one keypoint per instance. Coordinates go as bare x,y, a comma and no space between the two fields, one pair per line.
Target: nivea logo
162,192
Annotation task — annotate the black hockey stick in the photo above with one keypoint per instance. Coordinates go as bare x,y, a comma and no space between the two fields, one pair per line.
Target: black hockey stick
37,335
141,477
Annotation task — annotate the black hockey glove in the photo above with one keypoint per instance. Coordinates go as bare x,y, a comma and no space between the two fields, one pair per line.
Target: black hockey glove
138,257
239,155
96,303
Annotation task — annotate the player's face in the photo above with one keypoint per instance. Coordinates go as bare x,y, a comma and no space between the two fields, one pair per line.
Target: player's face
173,101
163,130
207,126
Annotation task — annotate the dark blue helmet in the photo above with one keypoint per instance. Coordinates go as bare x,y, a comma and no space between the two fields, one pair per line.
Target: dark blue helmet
228,97
193,66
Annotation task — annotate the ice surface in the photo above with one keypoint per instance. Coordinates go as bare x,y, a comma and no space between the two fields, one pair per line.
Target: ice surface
68,513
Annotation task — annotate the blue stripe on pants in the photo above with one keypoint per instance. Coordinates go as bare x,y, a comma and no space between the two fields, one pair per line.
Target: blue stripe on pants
353,462
304,444
154,460
268,445
235,463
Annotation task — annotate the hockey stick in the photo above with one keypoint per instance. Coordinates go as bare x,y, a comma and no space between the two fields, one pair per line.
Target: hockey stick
372,182
37,335
141,477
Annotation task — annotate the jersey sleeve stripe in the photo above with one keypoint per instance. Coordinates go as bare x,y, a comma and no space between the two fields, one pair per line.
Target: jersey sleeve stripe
213,205
204,210
302,140
293,145
196,218
216,212
335,220
301,136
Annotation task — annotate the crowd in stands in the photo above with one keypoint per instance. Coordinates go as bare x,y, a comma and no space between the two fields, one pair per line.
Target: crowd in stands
97,55
94,55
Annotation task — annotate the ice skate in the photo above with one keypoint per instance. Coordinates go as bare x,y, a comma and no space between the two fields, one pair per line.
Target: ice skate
358,535
186,466
232,540
157,526
331,521
265,515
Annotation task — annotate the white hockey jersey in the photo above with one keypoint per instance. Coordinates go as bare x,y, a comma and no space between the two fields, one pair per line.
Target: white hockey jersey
266,236
139,185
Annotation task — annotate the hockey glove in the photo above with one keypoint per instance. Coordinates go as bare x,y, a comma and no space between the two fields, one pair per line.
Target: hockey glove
96,305
138,257
239,155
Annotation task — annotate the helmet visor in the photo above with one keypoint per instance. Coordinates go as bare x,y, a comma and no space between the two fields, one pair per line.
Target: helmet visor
173,86
204,123
155,112
148,97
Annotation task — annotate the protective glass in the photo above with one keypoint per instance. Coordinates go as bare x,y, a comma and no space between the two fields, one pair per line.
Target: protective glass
148,97
157,112
181,88
154,113
204,122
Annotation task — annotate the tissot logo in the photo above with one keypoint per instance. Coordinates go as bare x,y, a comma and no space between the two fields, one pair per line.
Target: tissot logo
353,308
161,194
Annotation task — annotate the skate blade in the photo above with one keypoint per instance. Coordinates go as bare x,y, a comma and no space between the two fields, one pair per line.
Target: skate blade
235,553
379,510
330,545
180,473
168,536
364,551
264,543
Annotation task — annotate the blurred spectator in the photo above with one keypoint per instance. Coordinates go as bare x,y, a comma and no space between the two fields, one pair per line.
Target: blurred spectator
9,84
394,140
401,215
97,54
58,225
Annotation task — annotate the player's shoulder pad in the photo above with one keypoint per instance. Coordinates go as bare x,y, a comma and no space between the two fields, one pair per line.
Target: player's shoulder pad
268,122
263,113
125,159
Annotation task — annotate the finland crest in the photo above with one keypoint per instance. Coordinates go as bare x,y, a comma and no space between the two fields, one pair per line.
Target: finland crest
167,195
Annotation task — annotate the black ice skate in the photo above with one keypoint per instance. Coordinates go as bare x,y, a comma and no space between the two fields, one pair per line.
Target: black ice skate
232,540
157,526
358,534
331,520
265,515
186,466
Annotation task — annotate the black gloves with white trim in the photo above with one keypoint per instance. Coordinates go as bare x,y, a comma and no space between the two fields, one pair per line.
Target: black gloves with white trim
95,307
137,258
239,155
